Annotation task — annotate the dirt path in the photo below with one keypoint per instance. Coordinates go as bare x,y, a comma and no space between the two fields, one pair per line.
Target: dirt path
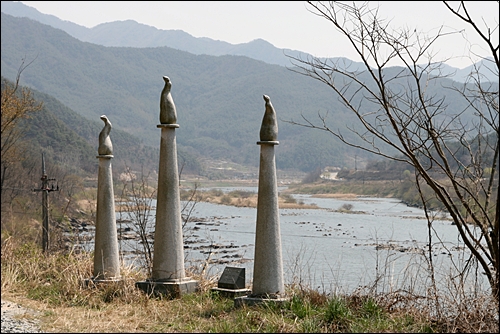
18,319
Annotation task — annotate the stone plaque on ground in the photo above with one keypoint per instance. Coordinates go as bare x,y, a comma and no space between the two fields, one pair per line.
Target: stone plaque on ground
232,278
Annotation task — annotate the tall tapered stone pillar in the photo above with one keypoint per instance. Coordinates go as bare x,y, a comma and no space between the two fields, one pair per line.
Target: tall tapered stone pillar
268,284
168,275
106,254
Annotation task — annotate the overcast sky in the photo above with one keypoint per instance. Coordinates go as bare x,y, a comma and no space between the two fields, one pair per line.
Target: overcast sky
285,24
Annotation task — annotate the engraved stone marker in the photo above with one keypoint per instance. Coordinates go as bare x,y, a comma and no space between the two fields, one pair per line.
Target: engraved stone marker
232,283
232,278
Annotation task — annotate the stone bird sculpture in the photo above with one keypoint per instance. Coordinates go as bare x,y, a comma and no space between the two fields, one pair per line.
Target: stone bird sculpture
269,127
168,114
105,145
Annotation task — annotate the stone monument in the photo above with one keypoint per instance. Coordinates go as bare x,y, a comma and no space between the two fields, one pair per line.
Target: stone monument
231,284
168,274
106,255
268,284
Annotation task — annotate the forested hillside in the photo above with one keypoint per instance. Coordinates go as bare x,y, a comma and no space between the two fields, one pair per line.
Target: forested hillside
219,99
70,140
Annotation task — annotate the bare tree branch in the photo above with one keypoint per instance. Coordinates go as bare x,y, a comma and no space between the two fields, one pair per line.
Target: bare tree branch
403,115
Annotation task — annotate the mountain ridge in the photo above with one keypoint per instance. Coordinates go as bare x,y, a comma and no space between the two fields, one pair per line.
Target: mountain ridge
130,33
218,98
70,140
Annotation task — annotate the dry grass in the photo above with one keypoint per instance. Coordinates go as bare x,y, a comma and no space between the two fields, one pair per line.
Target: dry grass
247,199
87,205
52,284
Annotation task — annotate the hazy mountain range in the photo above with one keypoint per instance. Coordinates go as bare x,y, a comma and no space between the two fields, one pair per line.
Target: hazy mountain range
130,33
218,98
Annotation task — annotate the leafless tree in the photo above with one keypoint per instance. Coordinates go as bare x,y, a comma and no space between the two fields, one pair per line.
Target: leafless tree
17,103
137,204
137,198
402,113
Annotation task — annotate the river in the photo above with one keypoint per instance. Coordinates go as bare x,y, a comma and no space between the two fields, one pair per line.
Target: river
380,243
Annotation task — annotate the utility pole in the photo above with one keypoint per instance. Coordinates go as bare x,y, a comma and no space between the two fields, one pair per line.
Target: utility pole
45,204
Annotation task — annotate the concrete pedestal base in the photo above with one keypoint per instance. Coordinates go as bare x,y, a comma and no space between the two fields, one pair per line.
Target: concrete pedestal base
249,300
231,293
170,288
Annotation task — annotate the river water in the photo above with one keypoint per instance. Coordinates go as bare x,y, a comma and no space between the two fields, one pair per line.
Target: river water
380,243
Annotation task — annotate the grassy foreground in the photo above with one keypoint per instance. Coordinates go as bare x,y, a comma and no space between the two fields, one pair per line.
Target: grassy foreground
52,284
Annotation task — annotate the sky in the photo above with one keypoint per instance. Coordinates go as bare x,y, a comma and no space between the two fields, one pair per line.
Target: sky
285,24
